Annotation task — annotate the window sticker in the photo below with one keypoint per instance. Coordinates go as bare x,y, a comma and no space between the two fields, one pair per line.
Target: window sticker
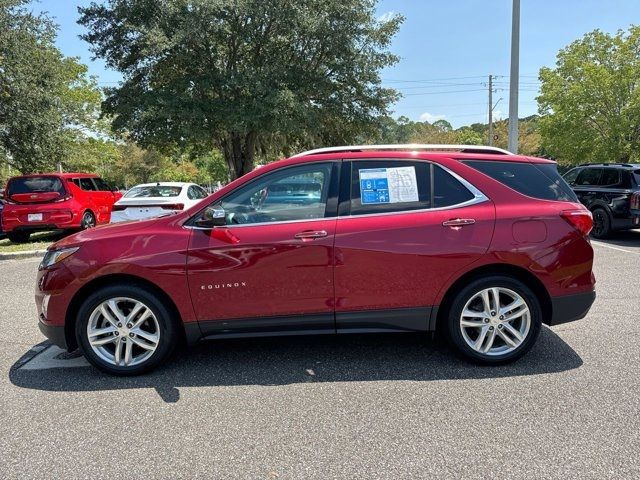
388,185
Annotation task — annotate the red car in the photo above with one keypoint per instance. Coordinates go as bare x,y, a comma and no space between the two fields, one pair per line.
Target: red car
55,201
484,245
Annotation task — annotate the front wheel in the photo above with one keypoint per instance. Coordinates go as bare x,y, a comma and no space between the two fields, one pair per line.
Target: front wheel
125,330
494,320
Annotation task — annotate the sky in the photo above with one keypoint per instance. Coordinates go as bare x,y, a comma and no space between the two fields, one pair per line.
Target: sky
447,49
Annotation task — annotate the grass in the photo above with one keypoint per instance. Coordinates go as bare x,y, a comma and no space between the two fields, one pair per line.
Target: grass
38,241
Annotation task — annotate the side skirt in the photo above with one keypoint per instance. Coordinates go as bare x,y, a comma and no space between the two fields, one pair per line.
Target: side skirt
374,321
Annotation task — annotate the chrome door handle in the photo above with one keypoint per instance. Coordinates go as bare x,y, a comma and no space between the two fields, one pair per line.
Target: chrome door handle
458,222
311,234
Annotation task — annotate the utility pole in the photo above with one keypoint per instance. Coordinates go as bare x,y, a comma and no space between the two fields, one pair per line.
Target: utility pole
490,110
515,73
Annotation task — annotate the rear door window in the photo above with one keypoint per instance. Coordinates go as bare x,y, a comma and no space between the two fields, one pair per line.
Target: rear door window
610,177
195,193
101,185
385,186
589,177
537,180
87,184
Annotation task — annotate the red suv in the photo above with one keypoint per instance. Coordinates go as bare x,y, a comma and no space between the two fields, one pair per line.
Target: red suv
55,201
479,243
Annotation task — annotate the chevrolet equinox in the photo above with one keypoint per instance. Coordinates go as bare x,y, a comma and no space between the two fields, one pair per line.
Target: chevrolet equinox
481,244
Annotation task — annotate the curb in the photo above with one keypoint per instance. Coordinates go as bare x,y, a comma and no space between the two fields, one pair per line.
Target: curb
21,255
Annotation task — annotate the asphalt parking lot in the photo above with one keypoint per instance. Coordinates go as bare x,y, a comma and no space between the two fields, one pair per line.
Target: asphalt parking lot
352,407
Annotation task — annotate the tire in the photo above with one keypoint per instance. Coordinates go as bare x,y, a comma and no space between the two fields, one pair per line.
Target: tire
19,237
88,220
158,324
464,331
601,223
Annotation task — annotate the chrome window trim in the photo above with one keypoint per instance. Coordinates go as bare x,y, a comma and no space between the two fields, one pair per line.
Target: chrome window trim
479,197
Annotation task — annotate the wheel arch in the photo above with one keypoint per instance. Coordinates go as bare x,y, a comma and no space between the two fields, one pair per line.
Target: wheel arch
601,204
106,280
518,273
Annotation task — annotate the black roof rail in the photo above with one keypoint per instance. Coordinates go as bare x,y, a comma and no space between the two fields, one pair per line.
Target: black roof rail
603,164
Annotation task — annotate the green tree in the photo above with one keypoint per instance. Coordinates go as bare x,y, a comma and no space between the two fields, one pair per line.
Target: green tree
591,99
238,74
46,99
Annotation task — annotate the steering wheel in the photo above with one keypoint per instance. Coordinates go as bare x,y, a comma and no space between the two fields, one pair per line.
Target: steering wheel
239,218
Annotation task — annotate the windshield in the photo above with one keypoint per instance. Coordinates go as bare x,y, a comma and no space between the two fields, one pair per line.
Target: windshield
153,191
34,185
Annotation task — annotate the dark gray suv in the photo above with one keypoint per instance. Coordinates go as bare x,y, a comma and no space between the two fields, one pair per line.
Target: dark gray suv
611,191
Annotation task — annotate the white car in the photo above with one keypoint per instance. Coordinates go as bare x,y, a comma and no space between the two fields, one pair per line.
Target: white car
156,199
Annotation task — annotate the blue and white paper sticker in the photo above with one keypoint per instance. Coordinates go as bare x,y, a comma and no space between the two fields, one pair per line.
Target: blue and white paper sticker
388,185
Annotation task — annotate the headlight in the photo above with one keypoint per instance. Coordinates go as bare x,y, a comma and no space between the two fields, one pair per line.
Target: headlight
54,256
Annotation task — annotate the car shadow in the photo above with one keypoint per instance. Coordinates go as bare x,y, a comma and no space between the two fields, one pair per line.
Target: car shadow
284,361
624,238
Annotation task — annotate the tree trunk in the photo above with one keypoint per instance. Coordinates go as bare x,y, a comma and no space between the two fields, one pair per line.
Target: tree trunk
239,153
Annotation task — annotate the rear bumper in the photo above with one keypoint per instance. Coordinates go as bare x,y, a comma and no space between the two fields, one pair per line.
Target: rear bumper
571,307
55,333
54,220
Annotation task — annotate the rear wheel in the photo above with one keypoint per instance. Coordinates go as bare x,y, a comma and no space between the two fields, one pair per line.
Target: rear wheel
494,320
601,223
19,237
88,220
125,330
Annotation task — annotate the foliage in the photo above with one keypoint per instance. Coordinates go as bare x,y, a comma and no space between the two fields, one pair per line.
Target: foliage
46,99
243,75
591,100
404,130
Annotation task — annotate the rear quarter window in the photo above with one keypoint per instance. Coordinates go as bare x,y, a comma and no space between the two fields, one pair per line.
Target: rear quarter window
540,181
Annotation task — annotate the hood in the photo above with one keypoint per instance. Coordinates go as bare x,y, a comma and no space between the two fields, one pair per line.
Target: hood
105,231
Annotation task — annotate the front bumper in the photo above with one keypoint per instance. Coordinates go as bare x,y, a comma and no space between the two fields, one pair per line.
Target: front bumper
55,333
569,308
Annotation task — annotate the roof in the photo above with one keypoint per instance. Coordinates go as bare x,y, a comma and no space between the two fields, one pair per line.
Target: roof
58,174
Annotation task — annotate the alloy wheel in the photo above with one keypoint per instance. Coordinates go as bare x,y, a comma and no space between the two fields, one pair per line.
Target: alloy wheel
88,221
598,222
495,321
123,332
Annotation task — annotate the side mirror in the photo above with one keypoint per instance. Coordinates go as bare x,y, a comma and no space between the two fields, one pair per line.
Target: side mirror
212,217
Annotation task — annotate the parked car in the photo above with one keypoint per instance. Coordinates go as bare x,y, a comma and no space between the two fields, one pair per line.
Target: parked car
156,199
53,201
482,244
2,234
611,191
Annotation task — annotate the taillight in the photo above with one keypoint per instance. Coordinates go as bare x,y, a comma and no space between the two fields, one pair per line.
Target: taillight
581,220
635,201
63,199
173,206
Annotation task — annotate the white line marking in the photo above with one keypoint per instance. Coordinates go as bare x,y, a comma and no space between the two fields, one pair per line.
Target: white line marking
47,359
614,248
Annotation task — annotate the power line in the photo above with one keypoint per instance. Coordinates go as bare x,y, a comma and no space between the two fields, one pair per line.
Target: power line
444,93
